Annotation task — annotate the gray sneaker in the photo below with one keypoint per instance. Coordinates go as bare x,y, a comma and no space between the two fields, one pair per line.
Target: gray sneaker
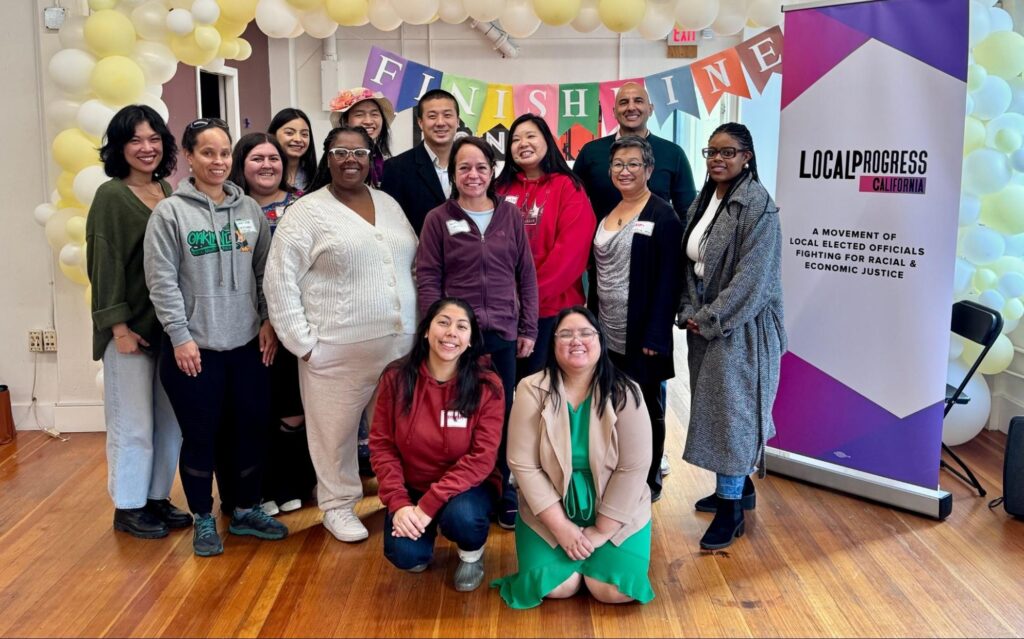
205,540
469,576
257,523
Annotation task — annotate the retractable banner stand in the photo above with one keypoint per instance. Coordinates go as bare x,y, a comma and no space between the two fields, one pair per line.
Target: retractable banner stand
870,151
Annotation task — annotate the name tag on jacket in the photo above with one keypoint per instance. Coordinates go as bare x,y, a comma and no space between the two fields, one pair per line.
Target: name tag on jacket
644,228
453,419
457,226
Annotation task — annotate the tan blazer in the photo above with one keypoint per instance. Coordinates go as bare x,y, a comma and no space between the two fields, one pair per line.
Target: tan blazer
540,457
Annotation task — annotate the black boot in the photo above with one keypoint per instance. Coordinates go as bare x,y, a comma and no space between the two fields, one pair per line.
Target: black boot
137,522
166,512
709,504
725,527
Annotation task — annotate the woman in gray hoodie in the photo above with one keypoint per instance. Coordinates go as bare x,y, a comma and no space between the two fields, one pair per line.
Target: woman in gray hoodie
205,249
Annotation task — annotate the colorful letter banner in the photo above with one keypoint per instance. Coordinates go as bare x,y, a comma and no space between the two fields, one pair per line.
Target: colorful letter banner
762,56
672,91
418,80
577,104
539,99
499,107
385,72
470,94
717,75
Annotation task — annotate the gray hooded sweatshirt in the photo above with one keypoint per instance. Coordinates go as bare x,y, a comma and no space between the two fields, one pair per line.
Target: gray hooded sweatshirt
204,267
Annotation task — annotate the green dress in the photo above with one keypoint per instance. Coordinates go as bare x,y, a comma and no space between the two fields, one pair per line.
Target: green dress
543,568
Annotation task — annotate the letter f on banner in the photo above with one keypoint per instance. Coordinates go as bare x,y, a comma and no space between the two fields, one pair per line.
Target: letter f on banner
384,73
716,75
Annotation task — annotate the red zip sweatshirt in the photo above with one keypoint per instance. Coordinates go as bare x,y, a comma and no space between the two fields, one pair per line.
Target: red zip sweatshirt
560,225
431,449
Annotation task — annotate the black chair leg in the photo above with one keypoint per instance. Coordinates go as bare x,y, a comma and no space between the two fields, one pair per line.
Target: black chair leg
969,477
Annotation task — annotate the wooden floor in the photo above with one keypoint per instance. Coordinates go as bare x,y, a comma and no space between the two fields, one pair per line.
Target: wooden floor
813,563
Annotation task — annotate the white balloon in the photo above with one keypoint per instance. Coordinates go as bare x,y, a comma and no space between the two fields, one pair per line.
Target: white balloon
980,24
70,254
1015,245
72,32
93,117
658,21
416,11
970,106
981,245
317,23
695,15
1011,284
1017,89
965,421
276,18
205,11
992,299
63,113
382,15
519,20
43,212
985,171
999,20
956,346
150,20
1010,326
180,21
452,11
992,99
70,70
962,273
155,90
217,64
732,15
159,105
970,209
1014,121
87,181
299,30
588,18
765,13
484,10
157,61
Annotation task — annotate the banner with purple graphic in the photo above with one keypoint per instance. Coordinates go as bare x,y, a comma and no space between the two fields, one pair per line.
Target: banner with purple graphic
873,101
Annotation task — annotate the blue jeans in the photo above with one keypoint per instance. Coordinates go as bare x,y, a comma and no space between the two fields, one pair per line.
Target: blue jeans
729,486
465,520
143,438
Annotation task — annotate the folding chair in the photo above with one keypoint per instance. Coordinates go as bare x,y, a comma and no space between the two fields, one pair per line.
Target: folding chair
981,325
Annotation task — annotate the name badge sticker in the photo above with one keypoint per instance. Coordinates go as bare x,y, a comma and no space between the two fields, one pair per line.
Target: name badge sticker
245,225
453,419
644,228
457,226
513,199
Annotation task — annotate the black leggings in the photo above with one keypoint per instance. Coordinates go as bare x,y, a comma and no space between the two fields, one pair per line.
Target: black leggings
654,401
503,358
233,392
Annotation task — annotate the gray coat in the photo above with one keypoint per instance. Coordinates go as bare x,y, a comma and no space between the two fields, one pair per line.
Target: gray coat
734,361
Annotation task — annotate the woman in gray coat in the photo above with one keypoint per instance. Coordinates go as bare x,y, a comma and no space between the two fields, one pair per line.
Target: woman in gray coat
732,311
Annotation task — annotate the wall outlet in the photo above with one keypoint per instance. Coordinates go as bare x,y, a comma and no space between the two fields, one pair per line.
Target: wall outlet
50,341
35,341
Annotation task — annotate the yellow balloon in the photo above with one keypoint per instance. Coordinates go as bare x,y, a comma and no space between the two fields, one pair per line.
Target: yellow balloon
187,50
976,75
306,5
238,10
228,49
75,228
65,186
102,5
1013,310
348,13
1002,54
229,28
1004,210
998,358
207,37
556,12
244,49
56,233
1007,264
109,32
984,279
621,15
73,150
74,273
974,135
117,80
1008,140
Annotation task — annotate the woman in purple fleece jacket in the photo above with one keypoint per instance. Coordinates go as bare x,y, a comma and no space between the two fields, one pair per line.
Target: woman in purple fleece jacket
474,247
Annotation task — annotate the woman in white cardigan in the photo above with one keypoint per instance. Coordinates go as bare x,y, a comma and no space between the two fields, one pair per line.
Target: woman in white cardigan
339,287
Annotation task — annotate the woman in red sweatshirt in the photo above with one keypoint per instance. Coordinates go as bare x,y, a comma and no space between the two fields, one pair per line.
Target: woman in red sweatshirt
558,219
434,442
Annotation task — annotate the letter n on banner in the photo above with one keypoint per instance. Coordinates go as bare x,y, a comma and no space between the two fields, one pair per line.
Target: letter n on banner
498,108
608,92
672,91
384,73
717,75
418,80
762,56
539,99
577,104
470,94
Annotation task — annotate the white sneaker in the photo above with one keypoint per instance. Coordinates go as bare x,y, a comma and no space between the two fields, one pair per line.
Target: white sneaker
344,525
290,505
270,507
665,468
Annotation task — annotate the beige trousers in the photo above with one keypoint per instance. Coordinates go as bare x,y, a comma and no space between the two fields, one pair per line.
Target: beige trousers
337,383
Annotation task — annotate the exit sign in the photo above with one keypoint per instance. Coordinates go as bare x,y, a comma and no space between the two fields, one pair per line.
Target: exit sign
681,37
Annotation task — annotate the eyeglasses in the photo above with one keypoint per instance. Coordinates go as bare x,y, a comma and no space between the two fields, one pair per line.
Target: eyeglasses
341,153
727,152
633,166
583,334
202,123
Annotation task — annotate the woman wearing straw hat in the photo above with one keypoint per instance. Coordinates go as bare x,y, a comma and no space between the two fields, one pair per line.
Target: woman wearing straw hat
375,113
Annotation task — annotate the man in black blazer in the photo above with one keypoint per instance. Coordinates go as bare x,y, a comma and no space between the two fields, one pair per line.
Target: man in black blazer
418,178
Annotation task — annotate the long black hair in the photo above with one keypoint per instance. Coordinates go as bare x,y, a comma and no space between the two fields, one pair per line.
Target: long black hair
742,135
322,176
552,162
307,161
488,154
469,375
244,147
607,382
121,130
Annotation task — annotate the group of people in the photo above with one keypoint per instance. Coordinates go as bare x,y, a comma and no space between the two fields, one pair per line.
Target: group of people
272,312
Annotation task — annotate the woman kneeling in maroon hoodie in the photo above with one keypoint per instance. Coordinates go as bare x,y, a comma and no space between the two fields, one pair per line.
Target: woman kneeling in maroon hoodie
434,442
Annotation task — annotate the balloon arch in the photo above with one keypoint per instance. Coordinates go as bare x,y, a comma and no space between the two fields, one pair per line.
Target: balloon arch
125,50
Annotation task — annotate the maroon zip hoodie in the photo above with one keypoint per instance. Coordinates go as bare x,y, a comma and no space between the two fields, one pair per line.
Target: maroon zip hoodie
493,272
431,449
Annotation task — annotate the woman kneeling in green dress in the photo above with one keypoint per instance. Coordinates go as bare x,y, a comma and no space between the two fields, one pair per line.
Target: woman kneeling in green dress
579,446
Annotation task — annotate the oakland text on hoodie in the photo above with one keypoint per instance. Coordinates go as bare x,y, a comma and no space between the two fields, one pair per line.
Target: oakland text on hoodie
204,267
